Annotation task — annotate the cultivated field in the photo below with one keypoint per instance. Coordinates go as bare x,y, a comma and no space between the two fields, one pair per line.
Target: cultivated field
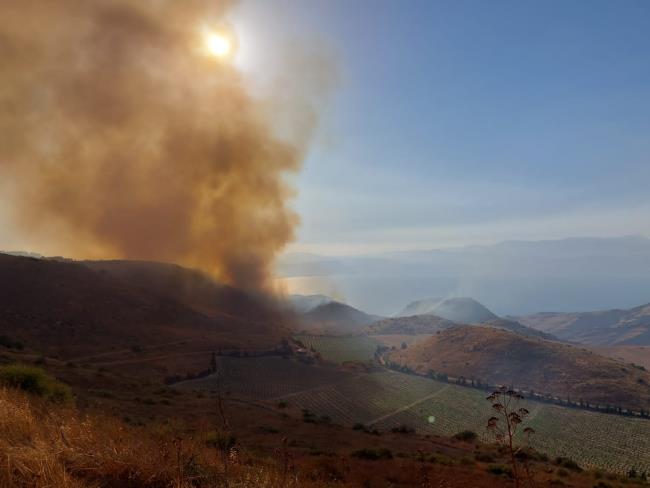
341,349
386,399
264,378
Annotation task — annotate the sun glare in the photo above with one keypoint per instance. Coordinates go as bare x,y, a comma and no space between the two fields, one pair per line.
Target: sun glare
218,45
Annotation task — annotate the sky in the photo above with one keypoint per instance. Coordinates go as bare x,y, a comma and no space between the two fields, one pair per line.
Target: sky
465,122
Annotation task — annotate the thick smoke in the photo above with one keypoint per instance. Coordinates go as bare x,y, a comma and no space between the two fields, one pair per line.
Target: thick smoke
119,137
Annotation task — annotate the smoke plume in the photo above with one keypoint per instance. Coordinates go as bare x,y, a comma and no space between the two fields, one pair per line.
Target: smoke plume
119,137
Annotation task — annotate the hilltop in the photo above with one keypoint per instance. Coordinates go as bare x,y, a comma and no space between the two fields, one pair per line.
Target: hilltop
602,328
336,318
305,303
502,357
463,310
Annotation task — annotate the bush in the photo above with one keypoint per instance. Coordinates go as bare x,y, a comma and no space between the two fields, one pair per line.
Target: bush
373,454
500,470
9,343
466,436
484,457
402,429
35,381
567,463
562,472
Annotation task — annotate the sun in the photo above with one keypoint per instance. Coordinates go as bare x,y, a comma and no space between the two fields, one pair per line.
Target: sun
218,45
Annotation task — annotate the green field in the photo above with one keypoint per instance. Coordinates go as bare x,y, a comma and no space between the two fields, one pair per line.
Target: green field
341,349
386,399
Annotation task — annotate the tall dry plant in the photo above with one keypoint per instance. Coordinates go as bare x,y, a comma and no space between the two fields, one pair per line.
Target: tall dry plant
505,425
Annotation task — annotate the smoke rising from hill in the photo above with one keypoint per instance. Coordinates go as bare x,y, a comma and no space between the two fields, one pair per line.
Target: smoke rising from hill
121,138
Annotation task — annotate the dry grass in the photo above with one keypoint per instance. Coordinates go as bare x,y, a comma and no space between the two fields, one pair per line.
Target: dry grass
46,445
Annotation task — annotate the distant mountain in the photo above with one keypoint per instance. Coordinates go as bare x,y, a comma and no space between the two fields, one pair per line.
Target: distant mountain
606,327
462,310
516,277
336,318
502,357
304,303
419,307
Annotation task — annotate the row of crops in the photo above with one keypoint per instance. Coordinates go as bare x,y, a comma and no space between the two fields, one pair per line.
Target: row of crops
341,349
264,377
388,399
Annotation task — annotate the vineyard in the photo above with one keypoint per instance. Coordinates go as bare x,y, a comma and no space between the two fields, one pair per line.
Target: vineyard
386,399
264,377
341,349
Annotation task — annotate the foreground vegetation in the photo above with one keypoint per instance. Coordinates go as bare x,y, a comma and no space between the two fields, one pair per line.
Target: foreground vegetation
46,442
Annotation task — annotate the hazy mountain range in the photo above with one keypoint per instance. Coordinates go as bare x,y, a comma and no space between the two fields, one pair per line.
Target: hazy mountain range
515,277
603,327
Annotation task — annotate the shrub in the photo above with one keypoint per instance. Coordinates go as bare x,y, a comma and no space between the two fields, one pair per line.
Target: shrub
9,343
562,472
220,440
403,429
499,470
35,381
567,463
466,436
484,457
373,454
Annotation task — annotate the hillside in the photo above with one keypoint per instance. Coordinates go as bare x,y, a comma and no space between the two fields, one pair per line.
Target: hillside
516,327
502,357
431,324
335,318
412,325
463,310
602,328
68,309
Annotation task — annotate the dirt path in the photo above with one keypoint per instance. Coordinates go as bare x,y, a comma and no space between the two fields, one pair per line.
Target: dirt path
319,387
406,407
121,362
123,351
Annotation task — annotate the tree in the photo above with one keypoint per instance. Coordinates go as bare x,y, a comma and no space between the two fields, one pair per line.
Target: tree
506,423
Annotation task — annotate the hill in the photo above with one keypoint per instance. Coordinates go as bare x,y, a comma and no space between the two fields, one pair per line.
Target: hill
516,327
502,357
68,309
431,324
335,318
413,325
305,303
602,328
463,310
